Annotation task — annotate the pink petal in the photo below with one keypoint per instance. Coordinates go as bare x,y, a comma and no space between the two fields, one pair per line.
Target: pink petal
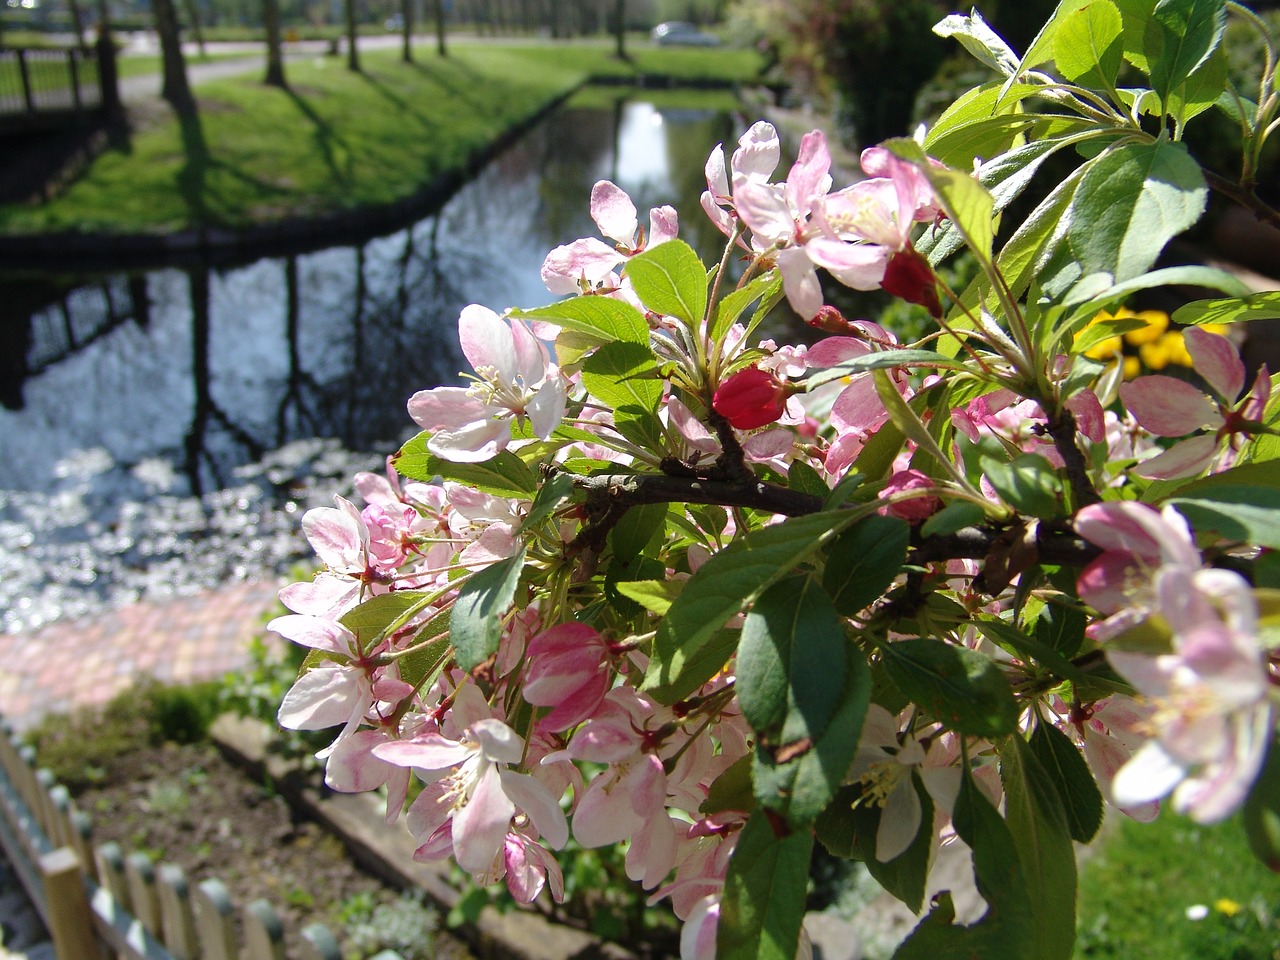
445,408
428,752
324,696
664,225
1169,407
480,827
808,177
614,213
486,341
317,633
1215,358
1184,459
530,796
859,266
1089,415
800,282
498,742
758,153
352,767
764,208
1149,775
589,259
337,536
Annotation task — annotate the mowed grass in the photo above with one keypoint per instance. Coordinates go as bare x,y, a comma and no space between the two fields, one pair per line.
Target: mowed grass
1135,892
336,140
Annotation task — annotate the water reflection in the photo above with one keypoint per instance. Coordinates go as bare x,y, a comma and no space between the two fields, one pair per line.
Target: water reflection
208,368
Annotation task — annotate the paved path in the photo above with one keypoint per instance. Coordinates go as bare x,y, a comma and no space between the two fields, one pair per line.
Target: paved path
86,662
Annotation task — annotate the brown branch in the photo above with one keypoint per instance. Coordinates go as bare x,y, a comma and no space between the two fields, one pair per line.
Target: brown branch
1244,196
1063,431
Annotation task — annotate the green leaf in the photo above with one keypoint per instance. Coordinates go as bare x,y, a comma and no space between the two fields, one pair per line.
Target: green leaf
553,492
1061,628
371,619
656,596
669,279
506,475
764,892
980,40
1251,306
723,585
804,689
1203,89
804,479
1029,483
966,202
431,646
1038,824
882,360
1005,930
636,529
1067,770
1135,14
732,304
962,688
953,517
477,613
1261,814
1246,514
864,560
636,569
1131,201
1014,640
1179,36
602,319
731,790
622,374
1088,45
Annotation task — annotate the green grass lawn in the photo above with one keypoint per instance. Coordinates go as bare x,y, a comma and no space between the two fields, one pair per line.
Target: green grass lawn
335,139
1136,890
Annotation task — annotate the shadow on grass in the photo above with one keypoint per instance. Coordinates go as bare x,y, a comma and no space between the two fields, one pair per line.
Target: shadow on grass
193,178
325,136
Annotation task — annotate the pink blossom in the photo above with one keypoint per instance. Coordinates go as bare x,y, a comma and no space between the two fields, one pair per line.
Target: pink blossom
1169,407
751,398
568,670
514,378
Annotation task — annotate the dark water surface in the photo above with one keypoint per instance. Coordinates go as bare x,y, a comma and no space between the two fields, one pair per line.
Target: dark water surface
162,430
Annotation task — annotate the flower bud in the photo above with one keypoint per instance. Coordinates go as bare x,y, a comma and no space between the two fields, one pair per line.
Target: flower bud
909,277
751,398
917,508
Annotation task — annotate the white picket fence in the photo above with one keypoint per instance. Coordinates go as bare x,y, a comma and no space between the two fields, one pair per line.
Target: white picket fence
99,903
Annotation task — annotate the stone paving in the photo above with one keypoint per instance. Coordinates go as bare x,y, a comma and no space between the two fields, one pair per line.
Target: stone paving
87,662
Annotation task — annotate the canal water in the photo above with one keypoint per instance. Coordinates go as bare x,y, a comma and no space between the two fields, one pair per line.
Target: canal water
162,431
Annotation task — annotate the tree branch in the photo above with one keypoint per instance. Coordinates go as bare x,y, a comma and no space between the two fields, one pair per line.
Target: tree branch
1243,196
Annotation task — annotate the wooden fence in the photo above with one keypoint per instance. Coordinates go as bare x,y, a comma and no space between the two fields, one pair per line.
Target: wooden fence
98,902
50,86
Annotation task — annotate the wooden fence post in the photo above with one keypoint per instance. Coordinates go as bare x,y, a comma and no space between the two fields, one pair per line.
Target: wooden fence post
263,932
110,861
176,919
140,875
214,921
318,944
70,916
25,73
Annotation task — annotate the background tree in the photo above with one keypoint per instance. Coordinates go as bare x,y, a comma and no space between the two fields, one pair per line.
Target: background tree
353,55
174,86
406,27
438,8
275,56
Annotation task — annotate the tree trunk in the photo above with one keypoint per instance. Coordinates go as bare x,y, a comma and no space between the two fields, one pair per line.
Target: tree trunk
193,14
77,23
620,28
406,12
438,6
174,86
353,55
275,57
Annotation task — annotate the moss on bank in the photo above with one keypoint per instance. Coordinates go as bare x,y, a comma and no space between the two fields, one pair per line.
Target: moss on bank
335,140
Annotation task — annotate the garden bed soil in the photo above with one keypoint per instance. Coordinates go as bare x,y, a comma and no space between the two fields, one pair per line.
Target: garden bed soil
188,805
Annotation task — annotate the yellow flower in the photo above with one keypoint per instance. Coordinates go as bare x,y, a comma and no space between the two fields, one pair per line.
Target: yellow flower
1132,367
1106,349
1157,323
1227,907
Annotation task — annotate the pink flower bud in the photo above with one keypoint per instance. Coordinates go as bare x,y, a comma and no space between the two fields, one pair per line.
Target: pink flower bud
917,508
751,398
909,277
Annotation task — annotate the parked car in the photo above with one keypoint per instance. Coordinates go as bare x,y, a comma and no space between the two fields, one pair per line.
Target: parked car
676,33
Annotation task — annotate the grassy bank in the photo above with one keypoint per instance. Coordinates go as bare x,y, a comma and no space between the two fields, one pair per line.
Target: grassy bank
336,140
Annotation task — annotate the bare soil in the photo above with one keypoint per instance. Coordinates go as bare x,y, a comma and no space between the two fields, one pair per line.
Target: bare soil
190,806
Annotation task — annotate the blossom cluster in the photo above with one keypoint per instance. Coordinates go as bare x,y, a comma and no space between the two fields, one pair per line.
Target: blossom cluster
499,624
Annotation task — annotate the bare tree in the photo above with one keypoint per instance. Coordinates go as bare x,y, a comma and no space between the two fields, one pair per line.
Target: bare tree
353,55
620,28
438,7
406,26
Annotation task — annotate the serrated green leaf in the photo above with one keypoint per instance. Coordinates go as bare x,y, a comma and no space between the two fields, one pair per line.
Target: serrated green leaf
1261,814
1006,635
983,43
1243,513
624,374
1029,483
804,479
1179,36
1088,46
1251,306
551,495
601,319
967,203
1069,773
864,560
477,613
1038,825
636,568
731,790
506,475
1061,628
1004,932
372,618
636,529
1131,201
730,307
656,596
962,688
670,279
723,585
764,892
953,517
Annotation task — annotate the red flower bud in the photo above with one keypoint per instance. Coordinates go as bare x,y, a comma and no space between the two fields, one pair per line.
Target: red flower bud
751,398
909,277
